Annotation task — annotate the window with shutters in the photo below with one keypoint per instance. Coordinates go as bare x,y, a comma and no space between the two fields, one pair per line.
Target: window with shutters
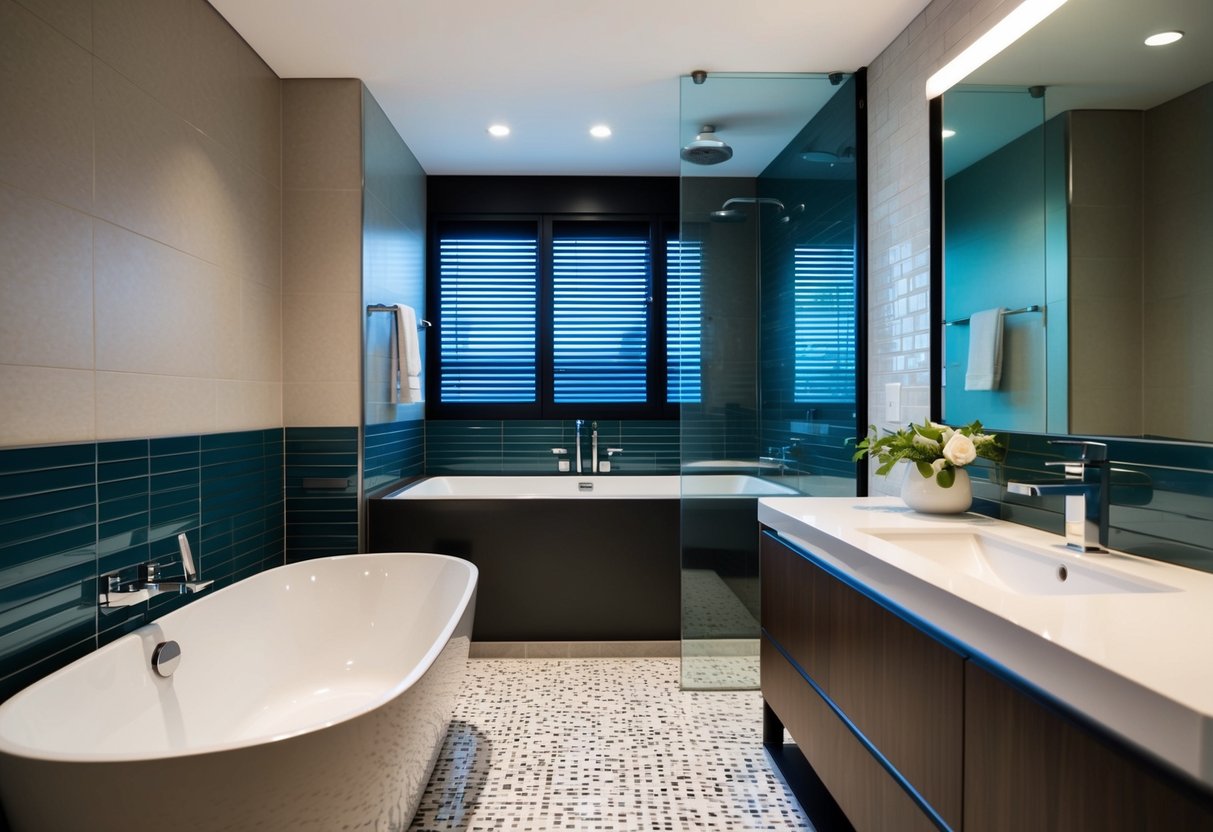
559,317
824,324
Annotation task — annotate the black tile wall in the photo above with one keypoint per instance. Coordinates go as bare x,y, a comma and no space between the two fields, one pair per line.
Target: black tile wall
321,492
1162,495
69,513
494,446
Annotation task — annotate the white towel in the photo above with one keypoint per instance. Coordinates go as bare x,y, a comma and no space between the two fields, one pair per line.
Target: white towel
406,357
985,350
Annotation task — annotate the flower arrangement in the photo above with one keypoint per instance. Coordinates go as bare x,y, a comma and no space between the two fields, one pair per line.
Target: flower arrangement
936,450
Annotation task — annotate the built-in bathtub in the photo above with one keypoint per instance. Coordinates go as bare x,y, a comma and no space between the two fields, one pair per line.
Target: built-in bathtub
569,557
314,696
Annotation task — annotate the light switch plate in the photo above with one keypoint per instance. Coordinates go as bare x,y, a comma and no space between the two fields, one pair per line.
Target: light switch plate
892,402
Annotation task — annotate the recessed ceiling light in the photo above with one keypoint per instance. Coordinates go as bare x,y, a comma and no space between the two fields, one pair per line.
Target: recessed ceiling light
947,134
499,130
600,131
1163,38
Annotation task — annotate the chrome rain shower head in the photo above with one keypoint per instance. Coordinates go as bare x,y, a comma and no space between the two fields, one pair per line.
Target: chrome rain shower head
728,214
707,149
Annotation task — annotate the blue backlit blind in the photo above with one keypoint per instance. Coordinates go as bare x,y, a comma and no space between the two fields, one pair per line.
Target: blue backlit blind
824,324
600,314
489,302
683,321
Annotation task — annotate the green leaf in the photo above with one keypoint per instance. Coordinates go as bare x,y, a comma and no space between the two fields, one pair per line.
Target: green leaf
946,477
925,469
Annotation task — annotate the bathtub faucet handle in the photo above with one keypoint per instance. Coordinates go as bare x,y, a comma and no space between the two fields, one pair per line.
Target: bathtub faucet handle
187,557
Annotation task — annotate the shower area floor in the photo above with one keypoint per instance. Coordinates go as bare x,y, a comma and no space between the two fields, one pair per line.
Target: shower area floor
602,744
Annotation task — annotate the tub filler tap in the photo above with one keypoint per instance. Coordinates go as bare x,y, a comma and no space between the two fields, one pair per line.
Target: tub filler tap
112,591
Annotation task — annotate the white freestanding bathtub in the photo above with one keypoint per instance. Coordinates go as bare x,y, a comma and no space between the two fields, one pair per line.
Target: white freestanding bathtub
313,696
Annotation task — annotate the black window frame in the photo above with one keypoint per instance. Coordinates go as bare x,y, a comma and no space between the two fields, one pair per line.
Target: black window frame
660,228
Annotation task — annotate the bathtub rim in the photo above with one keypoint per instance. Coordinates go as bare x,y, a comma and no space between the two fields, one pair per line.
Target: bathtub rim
11,748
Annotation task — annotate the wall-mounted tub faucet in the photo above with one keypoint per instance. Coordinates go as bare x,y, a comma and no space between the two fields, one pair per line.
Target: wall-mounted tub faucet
577,426
112,591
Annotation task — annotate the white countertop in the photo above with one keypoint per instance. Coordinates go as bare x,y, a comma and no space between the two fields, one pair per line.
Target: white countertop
1139,664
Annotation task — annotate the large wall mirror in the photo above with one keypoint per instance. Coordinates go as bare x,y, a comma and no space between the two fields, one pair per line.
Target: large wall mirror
1077,199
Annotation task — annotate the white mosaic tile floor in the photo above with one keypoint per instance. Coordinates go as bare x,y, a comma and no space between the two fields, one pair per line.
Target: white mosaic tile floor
602,744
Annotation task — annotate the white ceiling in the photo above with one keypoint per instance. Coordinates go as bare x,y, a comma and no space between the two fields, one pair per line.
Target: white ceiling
443,70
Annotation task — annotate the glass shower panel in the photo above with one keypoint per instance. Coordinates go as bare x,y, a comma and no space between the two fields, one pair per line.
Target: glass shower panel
769,236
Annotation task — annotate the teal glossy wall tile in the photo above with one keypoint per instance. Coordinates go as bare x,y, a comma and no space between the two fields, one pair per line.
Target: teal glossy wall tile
525,446
392,452
71,512
321,513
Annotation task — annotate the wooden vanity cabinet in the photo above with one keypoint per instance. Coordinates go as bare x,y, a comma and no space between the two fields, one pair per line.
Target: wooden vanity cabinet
1030,767
900,689
986,755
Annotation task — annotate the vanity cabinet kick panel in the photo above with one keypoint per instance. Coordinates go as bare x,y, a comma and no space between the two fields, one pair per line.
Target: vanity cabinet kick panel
900,687
1030,768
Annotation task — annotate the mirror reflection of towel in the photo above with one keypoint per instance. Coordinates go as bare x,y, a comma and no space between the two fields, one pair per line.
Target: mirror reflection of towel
984,370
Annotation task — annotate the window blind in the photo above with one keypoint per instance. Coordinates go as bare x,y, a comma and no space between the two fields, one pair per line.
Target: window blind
824,302
600,315
489,298
684,328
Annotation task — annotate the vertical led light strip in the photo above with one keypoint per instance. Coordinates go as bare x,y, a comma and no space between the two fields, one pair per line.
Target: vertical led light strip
1008,30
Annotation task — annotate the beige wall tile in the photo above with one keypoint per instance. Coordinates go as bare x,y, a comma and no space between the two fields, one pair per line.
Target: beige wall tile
147,41
45,404
234,97
46,282
247,405
73,18
322,337
322,133
46,131
133,404
154,175
161,311
322,241
260,333
320,404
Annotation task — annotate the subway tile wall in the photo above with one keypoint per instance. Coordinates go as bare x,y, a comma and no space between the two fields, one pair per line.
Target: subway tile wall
69,513
899,282
391,452
494,446
321,492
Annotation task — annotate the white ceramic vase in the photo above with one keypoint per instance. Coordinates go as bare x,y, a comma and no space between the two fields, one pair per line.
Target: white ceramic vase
926,495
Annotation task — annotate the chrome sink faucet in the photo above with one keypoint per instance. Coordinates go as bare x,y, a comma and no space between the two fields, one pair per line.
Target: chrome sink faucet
1086,487
594,448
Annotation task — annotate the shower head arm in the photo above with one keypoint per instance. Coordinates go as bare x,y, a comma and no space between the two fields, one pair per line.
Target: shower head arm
752,200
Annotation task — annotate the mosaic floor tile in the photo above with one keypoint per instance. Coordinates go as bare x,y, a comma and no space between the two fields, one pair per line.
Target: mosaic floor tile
602,744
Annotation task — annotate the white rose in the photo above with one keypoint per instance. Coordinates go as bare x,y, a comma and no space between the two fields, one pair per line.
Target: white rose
926,443
960,450
948,433
938,464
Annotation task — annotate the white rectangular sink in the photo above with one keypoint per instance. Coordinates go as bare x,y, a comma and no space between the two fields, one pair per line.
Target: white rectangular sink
1013,566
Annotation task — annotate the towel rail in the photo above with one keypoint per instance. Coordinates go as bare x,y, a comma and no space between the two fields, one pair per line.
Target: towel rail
380,307
965,321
